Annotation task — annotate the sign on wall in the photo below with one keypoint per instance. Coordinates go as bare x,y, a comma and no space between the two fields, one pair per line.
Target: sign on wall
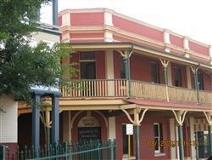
129,129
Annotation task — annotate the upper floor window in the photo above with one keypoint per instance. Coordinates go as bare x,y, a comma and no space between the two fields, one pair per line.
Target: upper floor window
123,70
87,65
155,72
87,56
200,80
158,138
178,76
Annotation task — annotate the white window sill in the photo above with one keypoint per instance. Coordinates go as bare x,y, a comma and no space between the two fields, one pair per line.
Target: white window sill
159,154
125,157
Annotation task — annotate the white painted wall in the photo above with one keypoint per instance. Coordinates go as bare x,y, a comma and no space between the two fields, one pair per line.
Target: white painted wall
169,74
108,19
112,128
172,138
192,136
108,36
188,75
46,37
109,70
66,19
8,120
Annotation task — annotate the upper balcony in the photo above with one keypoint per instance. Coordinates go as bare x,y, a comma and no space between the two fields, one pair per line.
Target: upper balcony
122,88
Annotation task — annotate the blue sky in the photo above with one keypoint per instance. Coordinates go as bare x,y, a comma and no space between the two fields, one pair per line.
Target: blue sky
192,18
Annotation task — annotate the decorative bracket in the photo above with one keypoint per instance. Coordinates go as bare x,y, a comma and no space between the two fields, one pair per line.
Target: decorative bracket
138,114
208,116
164,62
45,119
179,116
126,53
194,69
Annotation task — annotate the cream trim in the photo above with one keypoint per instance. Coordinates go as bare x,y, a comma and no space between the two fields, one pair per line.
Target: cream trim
210,51
208,116
94,10
108,18
180,116
131,36
186,43
83,39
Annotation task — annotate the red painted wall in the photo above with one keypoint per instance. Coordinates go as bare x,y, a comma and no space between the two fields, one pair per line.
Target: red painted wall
207,81
137,28
177,41
199,48
74,58
140,67
11,150
80,19
147,134
86,35
100,65
117,64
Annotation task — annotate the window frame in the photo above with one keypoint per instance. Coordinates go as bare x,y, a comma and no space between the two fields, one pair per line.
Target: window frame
159,138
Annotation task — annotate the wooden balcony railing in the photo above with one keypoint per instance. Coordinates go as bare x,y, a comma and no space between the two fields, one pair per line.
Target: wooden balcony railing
96,88
120,88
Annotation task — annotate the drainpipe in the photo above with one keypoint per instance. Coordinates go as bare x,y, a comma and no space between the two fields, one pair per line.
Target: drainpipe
210,139
180,141
36,123
196,83
127,71
54,11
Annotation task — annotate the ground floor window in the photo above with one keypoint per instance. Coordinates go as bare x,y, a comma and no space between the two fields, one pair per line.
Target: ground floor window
125,141
202,144
158,138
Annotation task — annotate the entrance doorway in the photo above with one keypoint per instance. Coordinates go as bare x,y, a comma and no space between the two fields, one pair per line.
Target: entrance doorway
89,128
89,133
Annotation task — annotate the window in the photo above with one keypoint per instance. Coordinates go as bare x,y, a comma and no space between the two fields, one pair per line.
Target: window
123,71
155,72
87,65
87,56
200,80
125,141
158,138
178,76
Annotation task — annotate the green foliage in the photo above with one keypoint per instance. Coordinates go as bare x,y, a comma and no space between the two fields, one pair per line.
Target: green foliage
20,64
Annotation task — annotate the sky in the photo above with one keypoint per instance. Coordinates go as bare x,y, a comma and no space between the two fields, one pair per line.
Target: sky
191,18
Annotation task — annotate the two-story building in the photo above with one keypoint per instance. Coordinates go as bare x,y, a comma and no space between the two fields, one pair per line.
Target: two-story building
133,72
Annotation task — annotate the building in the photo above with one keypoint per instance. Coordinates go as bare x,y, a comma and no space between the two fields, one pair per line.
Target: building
133,72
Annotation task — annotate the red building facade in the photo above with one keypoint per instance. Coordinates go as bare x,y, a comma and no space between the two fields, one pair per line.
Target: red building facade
133,72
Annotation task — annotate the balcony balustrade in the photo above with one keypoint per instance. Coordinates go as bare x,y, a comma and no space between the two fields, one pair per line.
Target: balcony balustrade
139,89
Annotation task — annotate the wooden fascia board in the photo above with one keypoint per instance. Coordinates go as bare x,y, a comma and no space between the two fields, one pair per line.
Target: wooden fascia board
90,108
79,47
172,108
169,56
91,102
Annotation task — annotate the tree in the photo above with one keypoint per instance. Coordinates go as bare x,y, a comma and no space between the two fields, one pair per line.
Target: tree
20,64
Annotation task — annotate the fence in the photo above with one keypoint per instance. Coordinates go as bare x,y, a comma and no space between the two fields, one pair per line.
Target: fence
92,150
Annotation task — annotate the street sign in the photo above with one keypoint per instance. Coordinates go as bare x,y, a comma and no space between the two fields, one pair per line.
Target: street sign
129,129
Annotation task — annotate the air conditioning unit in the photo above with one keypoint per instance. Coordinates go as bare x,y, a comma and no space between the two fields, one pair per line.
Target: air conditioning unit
2,152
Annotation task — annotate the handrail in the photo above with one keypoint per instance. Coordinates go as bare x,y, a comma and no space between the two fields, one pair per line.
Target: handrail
140,89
